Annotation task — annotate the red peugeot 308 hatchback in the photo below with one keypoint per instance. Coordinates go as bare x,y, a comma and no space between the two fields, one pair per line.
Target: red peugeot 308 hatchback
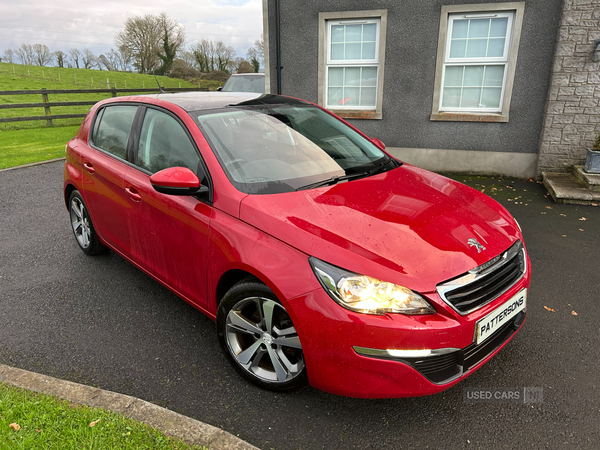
323,259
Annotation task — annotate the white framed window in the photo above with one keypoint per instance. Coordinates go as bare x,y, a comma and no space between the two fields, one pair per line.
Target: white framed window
352,63
476,61
351,56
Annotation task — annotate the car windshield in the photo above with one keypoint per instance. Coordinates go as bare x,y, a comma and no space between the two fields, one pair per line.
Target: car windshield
271,149
245,83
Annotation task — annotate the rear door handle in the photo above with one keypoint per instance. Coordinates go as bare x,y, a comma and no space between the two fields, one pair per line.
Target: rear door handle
133,193
89,167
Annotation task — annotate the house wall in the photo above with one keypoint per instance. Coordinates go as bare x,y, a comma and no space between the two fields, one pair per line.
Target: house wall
572,117
410,63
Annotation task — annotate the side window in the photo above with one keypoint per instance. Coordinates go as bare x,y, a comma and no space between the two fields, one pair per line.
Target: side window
113,131
164,143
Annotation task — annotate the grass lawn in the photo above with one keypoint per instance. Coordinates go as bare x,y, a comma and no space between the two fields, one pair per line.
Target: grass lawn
36,421
26,146
15,77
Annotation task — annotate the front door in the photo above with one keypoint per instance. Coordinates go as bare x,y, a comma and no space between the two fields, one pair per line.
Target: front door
168,233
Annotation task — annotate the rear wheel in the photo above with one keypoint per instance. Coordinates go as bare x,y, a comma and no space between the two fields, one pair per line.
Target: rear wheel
259,338
82,226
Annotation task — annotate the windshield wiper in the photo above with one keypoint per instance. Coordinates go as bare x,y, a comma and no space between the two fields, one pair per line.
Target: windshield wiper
332,180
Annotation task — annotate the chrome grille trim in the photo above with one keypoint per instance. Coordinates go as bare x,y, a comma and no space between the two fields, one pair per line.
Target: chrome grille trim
507,265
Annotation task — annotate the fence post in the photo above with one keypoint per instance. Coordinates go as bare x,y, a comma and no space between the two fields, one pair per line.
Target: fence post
46,108
114,92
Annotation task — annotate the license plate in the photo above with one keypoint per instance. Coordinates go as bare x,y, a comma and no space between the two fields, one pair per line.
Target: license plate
501,315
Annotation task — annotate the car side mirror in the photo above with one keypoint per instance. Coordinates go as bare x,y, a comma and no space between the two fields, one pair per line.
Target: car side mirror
220,88
378,143
177,181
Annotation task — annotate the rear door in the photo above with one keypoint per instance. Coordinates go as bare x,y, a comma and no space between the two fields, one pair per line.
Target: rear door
104,165
168,233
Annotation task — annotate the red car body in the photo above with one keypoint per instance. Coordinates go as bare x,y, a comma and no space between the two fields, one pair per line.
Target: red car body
406,226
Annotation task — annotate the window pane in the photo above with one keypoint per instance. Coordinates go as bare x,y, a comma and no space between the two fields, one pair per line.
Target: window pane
351,96
353,33
337,34
499,27
454,76
368,50
470,97
491,97
114,128
476,48
334,96
493,75
352,51
164,143
352,76
496,47
337,51
369,76
451,98
458,48
367,96
459,28
370,32
479,28
336,76
473,76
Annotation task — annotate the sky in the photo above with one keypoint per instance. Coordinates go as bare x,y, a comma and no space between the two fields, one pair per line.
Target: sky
93,24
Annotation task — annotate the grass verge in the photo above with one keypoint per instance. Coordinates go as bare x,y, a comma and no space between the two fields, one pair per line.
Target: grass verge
19,147
38,421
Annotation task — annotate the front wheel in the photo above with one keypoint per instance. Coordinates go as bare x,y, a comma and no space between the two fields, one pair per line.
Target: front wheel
257,335
82,226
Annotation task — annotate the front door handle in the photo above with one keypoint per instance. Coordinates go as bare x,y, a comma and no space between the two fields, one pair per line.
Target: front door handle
89,167
133,194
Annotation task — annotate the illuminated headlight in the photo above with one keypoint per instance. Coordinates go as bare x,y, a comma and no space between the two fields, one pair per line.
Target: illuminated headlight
368,295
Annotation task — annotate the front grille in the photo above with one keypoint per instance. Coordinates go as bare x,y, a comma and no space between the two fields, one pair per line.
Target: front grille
439,368
485,283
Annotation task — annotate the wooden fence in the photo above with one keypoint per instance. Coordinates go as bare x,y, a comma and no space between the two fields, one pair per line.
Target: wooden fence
46,104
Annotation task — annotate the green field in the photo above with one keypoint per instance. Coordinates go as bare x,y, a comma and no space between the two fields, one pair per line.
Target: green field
32,141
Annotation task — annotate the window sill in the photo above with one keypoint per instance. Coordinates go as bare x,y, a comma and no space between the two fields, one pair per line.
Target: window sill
356,114
468,117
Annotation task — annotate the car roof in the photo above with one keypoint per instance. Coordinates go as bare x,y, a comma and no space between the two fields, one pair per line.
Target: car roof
195,101
250,74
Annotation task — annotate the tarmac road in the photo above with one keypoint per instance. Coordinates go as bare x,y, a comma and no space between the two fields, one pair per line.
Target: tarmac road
101,322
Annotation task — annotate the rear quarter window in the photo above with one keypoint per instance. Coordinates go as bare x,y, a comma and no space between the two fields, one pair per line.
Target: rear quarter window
112,133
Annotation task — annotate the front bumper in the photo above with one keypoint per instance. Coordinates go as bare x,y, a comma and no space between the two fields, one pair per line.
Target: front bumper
340,346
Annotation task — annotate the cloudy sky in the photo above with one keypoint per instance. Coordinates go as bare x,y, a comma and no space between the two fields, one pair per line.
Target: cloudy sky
93,24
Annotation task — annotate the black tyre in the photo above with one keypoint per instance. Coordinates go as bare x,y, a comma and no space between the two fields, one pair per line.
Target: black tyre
82,226
259,339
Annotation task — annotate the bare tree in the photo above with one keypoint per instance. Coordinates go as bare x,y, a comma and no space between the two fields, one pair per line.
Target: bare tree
8,55
75,56
42,54
61,58
151,40
256,53
172,38
25,54
203,52
88,59
124,57
224,54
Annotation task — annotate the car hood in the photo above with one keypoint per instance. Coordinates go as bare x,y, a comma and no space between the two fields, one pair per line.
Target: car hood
407,226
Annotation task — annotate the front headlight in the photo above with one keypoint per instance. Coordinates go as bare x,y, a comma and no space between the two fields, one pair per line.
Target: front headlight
368,295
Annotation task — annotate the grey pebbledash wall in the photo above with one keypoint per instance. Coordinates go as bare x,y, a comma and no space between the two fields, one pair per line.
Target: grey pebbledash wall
572,117
410,62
